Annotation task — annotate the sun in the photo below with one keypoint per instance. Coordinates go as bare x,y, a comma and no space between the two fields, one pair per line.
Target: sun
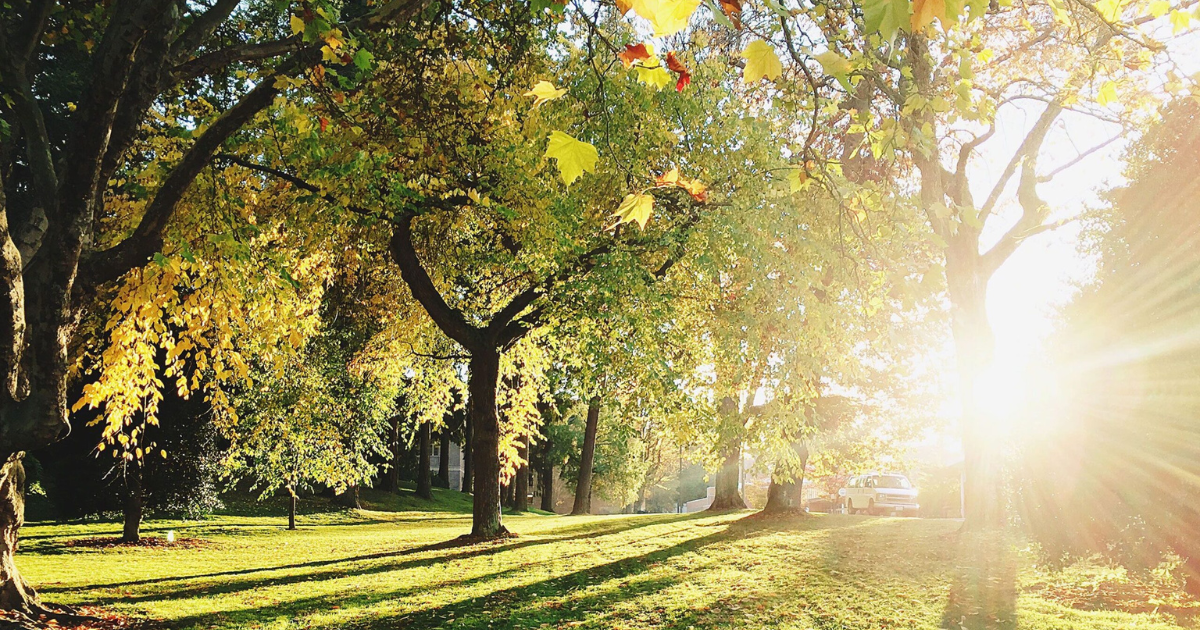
1003,394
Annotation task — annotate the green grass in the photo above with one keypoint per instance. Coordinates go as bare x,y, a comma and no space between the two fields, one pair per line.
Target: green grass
380,568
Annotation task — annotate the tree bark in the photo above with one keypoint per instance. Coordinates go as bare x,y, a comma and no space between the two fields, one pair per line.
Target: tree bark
546,477
784,493
425,448
728,495
443,476
468,465
392,483
349,498
583,486
485,512
974,345
291,507
131,532
521,481
15,593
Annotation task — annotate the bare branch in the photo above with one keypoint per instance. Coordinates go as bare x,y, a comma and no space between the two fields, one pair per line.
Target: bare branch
1028,149
1079,158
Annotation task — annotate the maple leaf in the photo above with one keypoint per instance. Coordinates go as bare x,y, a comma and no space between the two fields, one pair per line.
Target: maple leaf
666,16
635,207
297,24
834,64
796,178
1107,93
633,53
695,188
652,73
623,6
676,66
924,11
544,91
574,157
761,62
733,11
886,17
670,178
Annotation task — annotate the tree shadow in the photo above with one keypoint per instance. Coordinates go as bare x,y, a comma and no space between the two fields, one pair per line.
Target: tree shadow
983,595
339,567
525,606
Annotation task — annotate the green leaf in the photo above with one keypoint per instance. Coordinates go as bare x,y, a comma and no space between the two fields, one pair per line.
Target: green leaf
363,59
886,17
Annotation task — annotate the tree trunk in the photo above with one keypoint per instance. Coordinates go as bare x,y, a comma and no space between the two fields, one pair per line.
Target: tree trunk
393,474
728,495
15,593
546,477
784,493
583,488
521,481
348,498
425,448
291,507
468,466
485,451
974,346
131,532
443,476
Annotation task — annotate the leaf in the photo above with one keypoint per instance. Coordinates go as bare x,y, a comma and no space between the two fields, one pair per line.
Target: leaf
544,91
666,16
834,64
886,17
676,66
733,10
695,188
634,53
297,25
363,59
1159,8
655,75
635,207
796,178
623,6
1180,21
1107,93
1110,10
574,157
761,62
924,11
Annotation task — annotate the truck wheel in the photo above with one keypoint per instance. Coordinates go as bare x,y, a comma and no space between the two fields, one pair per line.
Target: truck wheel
871,507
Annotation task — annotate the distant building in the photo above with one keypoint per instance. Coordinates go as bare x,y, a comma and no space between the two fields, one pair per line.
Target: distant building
455,464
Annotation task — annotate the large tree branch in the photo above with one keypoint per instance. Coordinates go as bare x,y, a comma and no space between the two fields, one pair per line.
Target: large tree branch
1027,151
218,59
147,238
31,31
44,180
449,319
201,28
12,295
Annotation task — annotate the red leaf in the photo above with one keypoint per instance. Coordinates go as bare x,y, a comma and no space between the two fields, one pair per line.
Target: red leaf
676,66
324,124
634,53
733,11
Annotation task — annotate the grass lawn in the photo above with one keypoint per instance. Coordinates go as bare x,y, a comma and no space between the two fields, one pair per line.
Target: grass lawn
380,568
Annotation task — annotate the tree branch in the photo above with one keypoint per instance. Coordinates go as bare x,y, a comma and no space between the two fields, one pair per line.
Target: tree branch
1028,149
449,319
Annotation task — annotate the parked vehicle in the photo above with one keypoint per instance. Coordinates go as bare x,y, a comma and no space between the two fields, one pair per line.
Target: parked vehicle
880,493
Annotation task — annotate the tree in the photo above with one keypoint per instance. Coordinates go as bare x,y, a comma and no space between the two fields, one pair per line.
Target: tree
75,103
587,459
1118,451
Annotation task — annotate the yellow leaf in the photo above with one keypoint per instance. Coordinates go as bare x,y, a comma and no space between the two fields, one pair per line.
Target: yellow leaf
1180,21
925,10
1107,94
623,6
1110,10
544,91
652,73
666,16
297,25
834,64
635,207
761,62
1159,8
573,156
796,179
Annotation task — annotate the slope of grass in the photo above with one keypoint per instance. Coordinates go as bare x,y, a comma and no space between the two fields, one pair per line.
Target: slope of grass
376,568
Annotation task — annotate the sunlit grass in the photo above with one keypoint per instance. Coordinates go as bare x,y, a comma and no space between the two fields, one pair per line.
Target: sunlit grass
384,569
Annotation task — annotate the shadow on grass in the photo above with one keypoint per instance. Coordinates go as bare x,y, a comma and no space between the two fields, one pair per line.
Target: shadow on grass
526,606
340,567
983,595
